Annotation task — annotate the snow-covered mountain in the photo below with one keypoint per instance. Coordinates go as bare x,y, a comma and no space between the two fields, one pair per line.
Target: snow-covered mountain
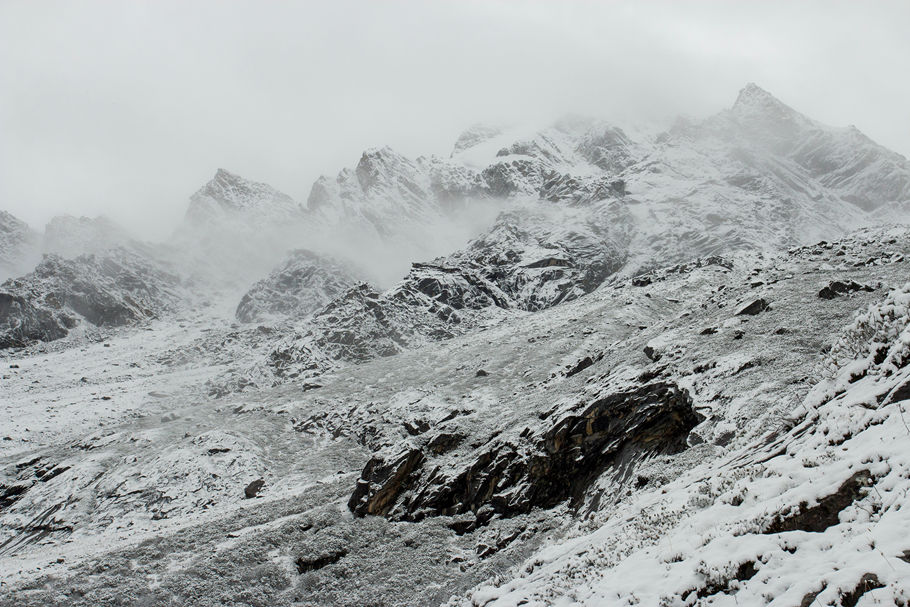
621,367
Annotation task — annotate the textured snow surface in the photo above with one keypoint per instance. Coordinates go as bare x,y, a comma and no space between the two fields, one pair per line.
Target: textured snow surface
204,421
144,493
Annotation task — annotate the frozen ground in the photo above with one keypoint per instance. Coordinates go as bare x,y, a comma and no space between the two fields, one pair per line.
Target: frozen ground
127,486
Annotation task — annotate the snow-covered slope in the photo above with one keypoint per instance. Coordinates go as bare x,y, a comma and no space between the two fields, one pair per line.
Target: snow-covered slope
640,383
736,413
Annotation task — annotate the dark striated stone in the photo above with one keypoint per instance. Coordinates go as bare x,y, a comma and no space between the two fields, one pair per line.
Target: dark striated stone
508,477
382,481
318,562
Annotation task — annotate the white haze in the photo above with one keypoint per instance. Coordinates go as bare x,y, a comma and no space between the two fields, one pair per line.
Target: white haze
126,108
236,254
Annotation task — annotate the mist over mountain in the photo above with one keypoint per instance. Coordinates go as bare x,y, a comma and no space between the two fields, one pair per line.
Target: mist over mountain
592,364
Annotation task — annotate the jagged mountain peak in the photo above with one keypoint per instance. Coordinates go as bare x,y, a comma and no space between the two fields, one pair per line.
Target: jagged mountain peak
229,193
233,191
475,135
757,109
377,166
752,93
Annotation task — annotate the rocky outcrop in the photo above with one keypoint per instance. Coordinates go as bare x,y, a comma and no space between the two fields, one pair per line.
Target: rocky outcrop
104,291
753,308
536,469
826,513
538,261
302,284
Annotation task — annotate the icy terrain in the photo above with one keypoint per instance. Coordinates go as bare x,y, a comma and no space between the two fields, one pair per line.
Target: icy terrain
663,369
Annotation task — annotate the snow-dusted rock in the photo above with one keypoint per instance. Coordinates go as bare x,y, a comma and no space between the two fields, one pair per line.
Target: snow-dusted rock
302,284
111,290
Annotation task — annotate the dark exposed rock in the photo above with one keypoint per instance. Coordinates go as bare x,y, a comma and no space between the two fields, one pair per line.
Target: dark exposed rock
9,494
444,442
318,562
383,480
511,477
836,288
756,307
652,354
252,490
826,513
583,364
481,373
867,583
456,287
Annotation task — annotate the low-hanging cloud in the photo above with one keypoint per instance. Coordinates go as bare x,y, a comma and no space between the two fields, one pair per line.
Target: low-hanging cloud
127,108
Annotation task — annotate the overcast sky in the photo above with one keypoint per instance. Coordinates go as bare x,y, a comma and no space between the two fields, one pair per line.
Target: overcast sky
126,108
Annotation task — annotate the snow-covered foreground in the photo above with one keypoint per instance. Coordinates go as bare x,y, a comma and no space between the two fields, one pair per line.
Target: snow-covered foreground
130,486
817,514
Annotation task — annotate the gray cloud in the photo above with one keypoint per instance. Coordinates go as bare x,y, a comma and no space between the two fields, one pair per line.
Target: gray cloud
127,108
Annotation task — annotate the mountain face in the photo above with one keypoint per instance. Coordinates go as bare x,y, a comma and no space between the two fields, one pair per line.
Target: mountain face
228,195
302,284
620,368
113,290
